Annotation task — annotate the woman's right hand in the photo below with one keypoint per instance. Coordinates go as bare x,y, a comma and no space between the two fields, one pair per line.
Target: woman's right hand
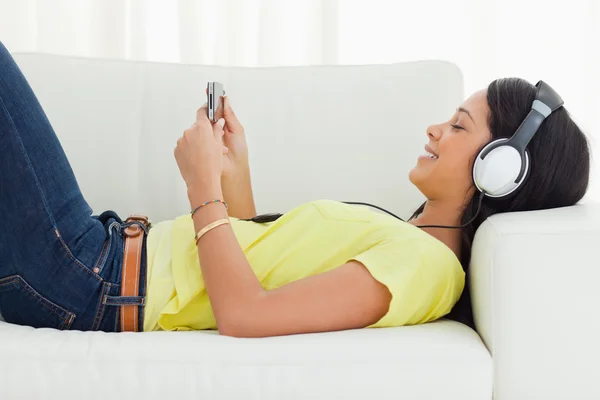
235,159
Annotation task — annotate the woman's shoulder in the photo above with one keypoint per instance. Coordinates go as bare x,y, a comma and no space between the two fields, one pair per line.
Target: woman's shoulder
332,209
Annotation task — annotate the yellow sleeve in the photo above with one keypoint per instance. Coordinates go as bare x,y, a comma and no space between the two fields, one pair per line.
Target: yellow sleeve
425,280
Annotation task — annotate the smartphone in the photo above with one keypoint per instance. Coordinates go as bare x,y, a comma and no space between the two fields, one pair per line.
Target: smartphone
215,95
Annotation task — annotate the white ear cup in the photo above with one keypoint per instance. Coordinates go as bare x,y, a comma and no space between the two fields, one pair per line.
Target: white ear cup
497,172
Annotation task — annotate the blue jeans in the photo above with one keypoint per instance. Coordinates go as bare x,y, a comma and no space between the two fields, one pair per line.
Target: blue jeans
60,266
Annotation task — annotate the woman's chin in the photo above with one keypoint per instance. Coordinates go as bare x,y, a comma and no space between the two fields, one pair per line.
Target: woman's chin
414,174
418,175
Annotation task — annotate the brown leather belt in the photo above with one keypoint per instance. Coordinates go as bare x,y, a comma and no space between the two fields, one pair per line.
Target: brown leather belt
130,276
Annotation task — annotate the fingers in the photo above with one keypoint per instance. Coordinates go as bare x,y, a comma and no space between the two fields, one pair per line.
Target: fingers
186,133
218,130
228,113
233,124
202,113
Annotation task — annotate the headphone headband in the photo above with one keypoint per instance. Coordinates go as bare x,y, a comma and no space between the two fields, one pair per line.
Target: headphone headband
546,101
548,96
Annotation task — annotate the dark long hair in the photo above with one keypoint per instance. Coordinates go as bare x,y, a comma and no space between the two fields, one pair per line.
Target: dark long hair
560,165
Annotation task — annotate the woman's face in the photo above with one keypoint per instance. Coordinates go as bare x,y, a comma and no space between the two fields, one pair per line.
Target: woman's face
455,144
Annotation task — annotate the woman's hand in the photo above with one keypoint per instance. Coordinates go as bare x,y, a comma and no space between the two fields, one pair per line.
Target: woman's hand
236,156
235,181
199,154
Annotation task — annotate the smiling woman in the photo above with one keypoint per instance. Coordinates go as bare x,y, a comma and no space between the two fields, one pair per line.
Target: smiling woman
322,266
559,157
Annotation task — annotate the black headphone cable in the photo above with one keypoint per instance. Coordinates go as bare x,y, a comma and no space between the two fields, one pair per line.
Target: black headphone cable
481,196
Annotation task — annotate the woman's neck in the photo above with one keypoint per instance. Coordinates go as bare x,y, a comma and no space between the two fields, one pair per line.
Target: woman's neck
442,213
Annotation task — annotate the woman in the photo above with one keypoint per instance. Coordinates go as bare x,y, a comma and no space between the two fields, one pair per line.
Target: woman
323,266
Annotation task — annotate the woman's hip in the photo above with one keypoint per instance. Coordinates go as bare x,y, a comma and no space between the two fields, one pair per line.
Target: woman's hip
50,286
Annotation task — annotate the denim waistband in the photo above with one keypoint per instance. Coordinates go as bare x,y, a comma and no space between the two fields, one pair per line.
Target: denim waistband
107,215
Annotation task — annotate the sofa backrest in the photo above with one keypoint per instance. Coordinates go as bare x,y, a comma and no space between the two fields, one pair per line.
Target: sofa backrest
344,132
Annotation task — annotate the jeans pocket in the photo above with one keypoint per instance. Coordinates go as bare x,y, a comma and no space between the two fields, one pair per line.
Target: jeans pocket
21,304
101,260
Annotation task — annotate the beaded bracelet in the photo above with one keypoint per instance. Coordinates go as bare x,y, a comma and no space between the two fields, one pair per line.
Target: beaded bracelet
207,203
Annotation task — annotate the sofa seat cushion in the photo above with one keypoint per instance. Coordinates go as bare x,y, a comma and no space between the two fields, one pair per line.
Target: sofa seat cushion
440,360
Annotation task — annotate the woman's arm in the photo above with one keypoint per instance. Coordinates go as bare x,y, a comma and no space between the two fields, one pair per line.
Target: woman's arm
344,298
235,181
237,192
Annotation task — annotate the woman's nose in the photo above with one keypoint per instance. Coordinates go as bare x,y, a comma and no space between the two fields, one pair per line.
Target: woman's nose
434,132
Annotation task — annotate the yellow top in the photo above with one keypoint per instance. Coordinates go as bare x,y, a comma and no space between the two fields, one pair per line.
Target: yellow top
423,275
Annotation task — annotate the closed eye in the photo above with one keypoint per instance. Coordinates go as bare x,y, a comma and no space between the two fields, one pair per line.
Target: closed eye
457,127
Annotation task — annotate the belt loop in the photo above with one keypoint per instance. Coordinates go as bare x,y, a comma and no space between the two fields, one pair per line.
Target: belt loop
112,225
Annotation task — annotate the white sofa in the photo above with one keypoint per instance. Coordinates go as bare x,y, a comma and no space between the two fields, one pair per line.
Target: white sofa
346,133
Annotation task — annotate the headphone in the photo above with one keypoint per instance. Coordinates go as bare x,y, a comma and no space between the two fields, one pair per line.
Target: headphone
502,166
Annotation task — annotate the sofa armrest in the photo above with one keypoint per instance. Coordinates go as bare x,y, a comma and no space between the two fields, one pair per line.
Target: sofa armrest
535,290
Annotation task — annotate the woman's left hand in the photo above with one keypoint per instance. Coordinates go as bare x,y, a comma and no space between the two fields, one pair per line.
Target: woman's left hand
199,153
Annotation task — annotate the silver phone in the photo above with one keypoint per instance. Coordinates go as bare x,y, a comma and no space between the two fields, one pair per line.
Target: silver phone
215,101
